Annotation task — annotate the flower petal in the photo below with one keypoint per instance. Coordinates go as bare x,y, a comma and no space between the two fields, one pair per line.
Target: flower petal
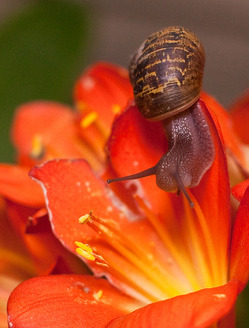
239,258
225,120
216,179
14,262
236,152
100,93
66,301
239,113
238,191
7,284
194,310
15,184
213,195
104,89
72,190
45,130
37,243
135,145
14,257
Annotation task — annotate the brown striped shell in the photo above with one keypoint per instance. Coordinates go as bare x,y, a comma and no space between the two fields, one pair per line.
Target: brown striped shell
166,72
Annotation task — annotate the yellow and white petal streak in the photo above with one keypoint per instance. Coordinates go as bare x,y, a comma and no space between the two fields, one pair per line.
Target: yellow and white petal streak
166,263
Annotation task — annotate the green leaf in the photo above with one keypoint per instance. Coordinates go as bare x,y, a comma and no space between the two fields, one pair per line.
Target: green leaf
42,51
242,314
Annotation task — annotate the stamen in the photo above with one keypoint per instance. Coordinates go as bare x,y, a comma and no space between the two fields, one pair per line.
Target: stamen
182,261
88,120
85,251
218,266
90,254
164,280
37,149
96,136
194,241
84,218
115,270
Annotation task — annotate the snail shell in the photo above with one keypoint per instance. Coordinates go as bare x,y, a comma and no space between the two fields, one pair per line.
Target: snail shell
166,72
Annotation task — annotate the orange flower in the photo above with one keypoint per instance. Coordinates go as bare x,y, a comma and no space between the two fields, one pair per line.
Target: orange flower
236,151
240,118
43,130
166,264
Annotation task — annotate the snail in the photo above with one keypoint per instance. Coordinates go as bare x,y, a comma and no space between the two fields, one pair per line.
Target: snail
166,74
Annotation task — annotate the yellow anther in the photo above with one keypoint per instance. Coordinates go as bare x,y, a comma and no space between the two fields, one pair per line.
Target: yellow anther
37,147
84,246
84,218
85,251
116,109
85,254
98,294
88,119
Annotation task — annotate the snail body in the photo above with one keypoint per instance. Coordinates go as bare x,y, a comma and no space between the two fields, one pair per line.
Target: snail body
166,74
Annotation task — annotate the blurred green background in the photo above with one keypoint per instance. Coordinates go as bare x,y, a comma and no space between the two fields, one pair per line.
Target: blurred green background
45,45
42,50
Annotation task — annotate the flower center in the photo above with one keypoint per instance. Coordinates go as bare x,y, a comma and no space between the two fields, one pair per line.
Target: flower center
177,266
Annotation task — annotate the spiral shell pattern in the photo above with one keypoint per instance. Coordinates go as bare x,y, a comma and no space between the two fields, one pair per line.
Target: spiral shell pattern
166,72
